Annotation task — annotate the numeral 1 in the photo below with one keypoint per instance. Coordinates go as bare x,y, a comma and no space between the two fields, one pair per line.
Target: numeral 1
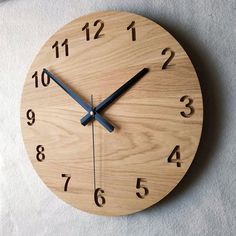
56,47
133,30
86,28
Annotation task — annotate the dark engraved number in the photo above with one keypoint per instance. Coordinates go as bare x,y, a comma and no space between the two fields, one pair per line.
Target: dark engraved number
35,77
40,156
139,186
133,30
99,198
31,117
67,181
45,80
55,45
176,153
97,34
64,44
86,28
172,54
188,105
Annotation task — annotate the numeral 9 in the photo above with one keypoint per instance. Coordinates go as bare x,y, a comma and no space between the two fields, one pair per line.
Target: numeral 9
31,117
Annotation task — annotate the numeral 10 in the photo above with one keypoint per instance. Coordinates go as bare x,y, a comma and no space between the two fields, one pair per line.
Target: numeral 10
45,80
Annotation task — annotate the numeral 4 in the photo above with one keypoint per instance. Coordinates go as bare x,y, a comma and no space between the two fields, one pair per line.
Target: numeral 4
175,156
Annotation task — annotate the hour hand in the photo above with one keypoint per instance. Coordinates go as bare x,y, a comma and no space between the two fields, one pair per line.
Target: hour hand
79,100
105,103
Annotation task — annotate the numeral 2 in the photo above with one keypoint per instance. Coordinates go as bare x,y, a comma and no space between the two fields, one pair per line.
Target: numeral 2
56,47
67,181
176,153
45,80
97,34
139,186
167,62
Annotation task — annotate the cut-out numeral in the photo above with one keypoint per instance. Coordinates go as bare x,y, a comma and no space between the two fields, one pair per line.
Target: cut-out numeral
141,186
45,79
133,30
98,33
99,199
86,28
67,181
40,156
65,44
176,153
167,62
56,47
30,116
188,105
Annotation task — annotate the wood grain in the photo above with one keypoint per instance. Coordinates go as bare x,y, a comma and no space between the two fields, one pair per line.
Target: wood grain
147,120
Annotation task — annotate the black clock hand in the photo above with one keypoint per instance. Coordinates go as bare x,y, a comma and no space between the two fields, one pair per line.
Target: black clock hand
97,116
85,120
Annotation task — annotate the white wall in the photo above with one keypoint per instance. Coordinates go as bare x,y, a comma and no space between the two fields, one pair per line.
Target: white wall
205,201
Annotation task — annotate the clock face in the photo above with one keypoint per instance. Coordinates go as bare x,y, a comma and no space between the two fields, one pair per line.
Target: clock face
111,113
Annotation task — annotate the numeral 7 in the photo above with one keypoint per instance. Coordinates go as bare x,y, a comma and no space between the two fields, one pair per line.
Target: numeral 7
67,181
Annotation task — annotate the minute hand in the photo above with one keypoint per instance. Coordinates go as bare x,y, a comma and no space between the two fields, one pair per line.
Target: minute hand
98,117
85,120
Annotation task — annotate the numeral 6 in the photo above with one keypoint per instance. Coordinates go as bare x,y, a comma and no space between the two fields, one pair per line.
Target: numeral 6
99,198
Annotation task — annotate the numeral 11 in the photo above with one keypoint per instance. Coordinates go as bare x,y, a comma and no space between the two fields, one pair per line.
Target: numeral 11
56,47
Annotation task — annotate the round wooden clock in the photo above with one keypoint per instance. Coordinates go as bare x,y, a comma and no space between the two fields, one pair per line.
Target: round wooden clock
111,113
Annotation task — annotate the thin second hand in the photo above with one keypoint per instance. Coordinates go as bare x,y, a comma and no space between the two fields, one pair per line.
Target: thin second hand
94,169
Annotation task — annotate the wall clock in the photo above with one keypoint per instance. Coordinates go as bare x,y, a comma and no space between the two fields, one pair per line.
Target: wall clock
111,113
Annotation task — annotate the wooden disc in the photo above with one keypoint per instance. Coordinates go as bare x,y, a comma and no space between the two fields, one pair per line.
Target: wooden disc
157,122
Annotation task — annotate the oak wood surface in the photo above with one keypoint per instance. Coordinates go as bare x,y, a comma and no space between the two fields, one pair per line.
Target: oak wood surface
147,120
